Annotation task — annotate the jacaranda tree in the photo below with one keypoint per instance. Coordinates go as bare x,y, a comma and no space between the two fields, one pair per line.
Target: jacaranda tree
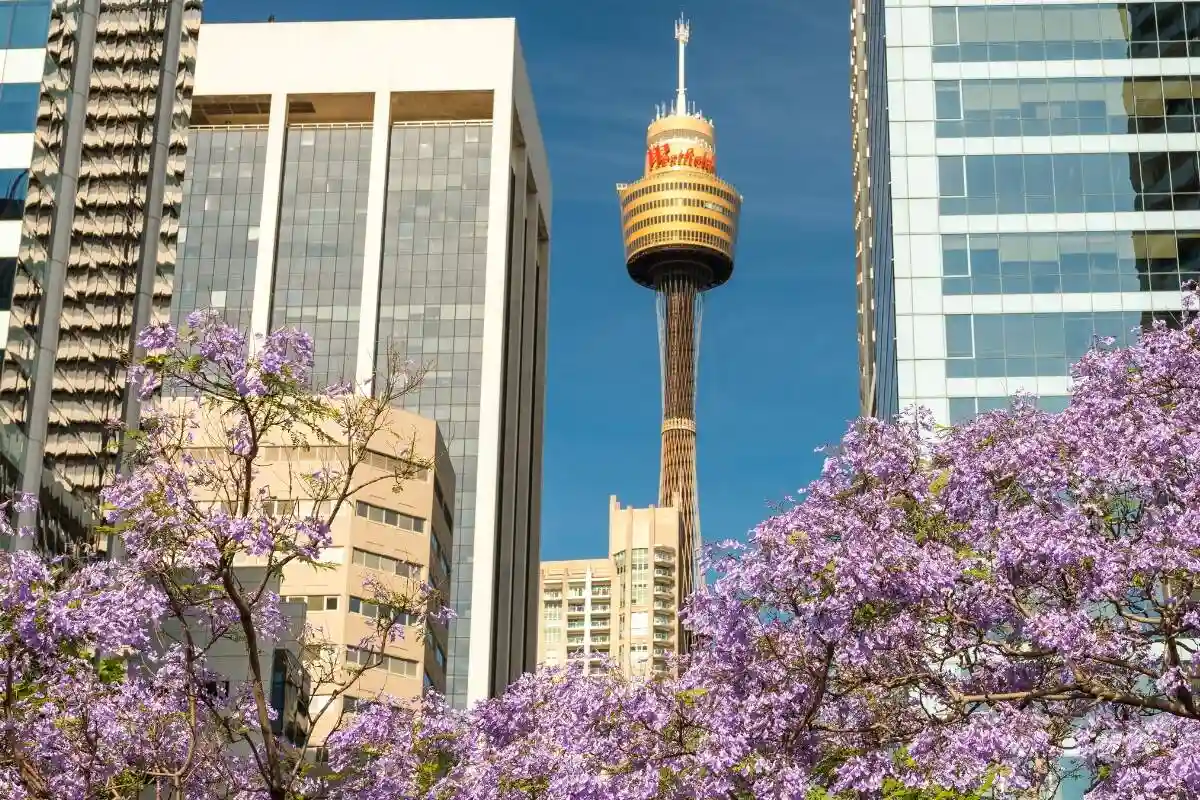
110,688
985,610
978,611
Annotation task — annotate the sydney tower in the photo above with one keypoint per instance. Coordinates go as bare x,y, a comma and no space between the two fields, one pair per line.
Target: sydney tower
680,227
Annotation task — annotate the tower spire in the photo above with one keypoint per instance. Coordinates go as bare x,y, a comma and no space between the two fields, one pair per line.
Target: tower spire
682,33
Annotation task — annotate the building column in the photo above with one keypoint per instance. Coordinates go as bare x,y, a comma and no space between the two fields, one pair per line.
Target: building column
508,525
268,220
479,664
58,255
526,369
538,402
368,315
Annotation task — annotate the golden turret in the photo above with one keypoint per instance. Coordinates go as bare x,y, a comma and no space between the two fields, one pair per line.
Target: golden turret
680,208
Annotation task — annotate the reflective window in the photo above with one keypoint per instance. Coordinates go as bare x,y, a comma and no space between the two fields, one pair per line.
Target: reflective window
14,184
218,232
18,107
1029,345
321,243
1049,263
1069,183
24,24
964,408
1066,32
431,308
1057,106
8,270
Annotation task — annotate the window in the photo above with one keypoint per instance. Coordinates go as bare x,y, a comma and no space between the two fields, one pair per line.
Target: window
386,663
1042,263
395,465
1030,345
963,409
355,705
315,602
373,611
552,612
1080,31
14,184
280,508
439,555
439,655
387,516
552,636
18,107
24,24
392,566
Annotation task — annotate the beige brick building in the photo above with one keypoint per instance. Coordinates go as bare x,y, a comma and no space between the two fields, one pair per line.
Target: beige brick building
624,607
394,537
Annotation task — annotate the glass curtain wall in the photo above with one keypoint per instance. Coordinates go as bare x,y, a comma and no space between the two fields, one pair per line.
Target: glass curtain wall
321,243
431,307
218,236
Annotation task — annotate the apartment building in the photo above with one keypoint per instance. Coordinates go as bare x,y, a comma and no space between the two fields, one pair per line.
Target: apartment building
624,608
393,538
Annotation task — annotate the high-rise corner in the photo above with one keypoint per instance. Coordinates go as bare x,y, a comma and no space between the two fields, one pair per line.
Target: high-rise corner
384,184
1027,182
94,103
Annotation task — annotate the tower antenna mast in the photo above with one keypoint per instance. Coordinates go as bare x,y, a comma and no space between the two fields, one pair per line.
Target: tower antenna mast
683,32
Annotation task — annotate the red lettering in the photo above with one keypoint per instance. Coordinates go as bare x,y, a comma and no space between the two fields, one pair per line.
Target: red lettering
661,156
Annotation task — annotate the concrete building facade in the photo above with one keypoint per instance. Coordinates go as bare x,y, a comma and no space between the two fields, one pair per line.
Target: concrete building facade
94,104
396,539
624,607
1027,181
397,201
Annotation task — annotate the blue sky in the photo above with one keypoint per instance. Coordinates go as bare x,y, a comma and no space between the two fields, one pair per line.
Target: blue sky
778,370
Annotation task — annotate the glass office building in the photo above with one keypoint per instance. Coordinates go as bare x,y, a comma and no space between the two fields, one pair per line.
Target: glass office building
395,204
1028,184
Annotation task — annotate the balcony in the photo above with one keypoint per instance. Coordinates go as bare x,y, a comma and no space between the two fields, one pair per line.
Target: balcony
575,641
664,572
601,639
663,605
576,608
663,557
602,608
664,590
662,621
601,623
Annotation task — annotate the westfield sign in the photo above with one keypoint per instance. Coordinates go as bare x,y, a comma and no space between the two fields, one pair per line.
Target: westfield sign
661,156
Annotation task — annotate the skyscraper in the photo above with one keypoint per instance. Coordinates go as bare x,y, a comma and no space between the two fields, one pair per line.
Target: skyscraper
94,205
384,184
680,226
1027,180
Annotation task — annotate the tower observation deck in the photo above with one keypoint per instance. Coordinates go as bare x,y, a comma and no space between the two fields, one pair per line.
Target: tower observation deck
679,222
